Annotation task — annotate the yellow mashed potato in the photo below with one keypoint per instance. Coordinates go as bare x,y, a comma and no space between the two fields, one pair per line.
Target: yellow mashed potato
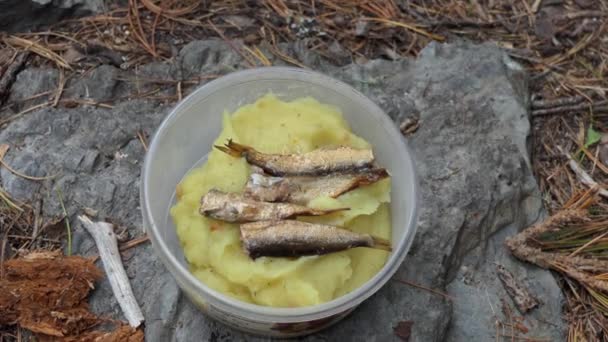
213,248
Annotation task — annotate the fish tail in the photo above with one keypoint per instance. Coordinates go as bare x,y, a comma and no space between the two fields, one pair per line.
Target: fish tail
381,173
227,150
233,149
382,244
373,176
238,147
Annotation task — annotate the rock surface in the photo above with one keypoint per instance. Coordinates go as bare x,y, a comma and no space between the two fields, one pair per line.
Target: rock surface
470,151
20,15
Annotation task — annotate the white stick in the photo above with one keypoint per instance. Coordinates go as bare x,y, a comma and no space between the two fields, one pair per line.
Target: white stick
583,176
105,239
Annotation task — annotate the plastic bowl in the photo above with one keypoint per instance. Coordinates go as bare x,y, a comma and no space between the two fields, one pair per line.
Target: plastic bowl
186,136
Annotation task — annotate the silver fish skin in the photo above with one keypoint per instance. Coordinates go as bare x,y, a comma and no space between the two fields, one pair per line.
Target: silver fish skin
303,189
318,162
233,207
290,238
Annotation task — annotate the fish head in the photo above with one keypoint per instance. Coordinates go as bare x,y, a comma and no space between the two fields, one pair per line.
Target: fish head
212,202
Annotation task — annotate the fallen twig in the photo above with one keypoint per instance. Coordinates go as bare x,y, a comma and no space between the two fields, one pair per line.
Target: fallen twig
409,27
5,197
571,100
459,23
599,106
130,244
137,29
582,175
37,49
232,45
105,239
135,242
273,47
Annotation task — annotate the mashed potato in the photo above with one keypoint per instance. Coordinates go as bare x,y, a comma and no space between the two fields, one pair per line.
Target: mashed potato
213,248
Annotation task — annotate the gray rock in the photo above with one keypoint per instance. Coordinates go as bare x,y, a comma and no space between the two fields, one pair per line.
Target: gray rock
472,161
19,15
31,82
99,86
199,58
480,297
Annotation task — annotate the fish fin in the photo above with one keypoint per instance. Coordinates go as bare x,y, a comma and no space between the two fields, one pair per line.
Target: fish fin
367,178
382,244
380,173
372,176
320,212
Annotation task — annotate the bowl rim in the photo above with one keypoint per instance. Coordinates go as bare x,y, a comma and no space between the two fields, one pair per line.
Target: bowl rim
265,313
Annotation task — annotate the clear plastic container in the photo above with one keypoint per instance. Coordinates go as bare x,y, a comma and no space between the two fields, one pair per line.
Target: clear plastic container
185,138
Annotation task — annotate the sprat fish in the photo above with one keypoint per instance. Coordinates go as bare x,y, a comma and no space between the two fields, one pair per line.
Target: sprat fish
290,238
303,189
232,207
317,162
